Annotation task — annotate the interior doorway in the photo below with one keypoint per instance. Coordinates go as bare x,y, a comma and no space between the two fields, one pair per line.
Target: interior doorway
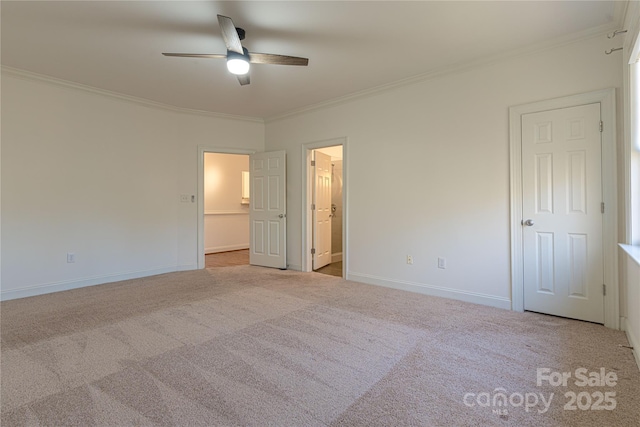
325,212
223,205
226,209
227,259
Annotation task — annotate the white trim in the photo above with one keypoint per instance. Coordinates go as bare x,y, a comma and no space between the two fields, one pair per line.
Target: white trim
200,185
67,285
629,125
228,248
337,257
307,148
30,76
436,291
606,99
227,212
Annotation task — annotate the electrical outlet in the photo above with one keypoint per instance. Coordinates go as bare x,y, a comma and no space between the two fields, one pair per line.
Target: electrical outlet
409,259
442,263
71,257
184,198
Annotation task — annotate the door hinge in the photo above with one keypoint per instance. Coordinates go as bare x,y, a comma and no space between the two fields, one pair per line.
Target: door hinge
601,126
313,206
313,162
602,207
313,251
604,289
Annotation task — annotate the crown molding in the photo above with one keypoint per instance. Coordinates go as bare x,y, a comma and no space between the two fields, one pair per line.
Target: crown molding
31,76
591,33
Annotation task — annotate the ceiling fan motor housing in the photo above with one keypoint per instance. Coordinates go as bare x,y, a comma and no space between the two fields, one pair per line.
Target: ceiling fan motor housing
235,55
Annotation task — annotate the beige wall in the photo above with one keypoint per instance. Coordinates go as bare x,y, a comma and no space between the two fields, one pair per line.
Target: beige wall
100,177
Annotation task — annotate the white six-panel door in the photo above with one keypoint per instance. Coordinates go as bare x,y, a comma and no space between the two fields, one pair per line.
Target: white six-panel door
562,217
268,210
322,210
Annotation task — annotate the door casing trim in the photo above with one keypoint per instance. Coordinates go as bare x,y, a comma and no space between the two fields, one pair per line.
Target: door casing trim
607,100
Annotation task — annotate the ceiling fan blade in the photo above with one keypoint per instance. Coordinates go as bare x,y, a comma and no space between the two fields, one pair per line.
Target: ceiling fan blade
196,55
244,79
270,58
230,35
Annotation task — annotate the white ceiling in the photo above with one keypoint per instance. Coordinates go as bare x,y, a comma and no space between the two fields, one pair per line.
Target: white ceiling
352,46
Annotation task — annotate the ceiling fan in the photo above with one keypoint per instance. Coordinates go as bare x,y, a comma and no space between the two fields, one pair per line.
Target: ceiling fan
238,57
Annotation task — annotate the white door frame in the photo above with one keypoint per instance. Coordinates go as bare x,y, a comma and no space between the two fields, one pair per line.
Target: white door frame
607,100
202,149
307,196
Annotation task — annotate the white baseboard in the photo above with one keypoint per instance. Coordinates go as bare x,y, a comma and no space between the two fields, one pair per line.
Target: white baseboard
436,291
634,342
91,281
294,267
227,248
336,257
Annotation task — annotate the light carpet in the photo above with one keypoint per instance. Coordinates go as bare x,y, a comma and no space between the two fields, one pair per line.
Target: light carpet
249,346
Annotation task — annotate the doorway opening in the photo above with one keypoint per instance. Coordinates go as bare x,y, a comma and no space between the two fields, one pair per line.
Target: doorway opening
325,208
226,209
223,207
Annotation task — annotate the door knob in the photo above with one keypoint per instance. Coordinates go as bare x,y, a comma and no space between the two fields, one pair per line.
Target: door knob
281,216
527,222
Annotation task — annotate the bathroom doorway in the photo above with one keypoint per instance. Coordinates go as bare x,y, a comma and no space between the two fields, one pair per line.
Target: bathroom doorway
327,210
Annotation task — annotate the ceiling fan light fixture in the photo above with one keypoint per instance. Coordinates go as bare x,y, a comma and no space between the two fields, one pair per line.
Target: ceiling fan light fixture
238,57
237,64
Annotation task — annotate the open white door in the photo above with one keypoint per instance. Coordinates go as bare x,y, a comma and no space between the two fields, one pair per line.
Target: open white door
562,212
322,210
268,210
